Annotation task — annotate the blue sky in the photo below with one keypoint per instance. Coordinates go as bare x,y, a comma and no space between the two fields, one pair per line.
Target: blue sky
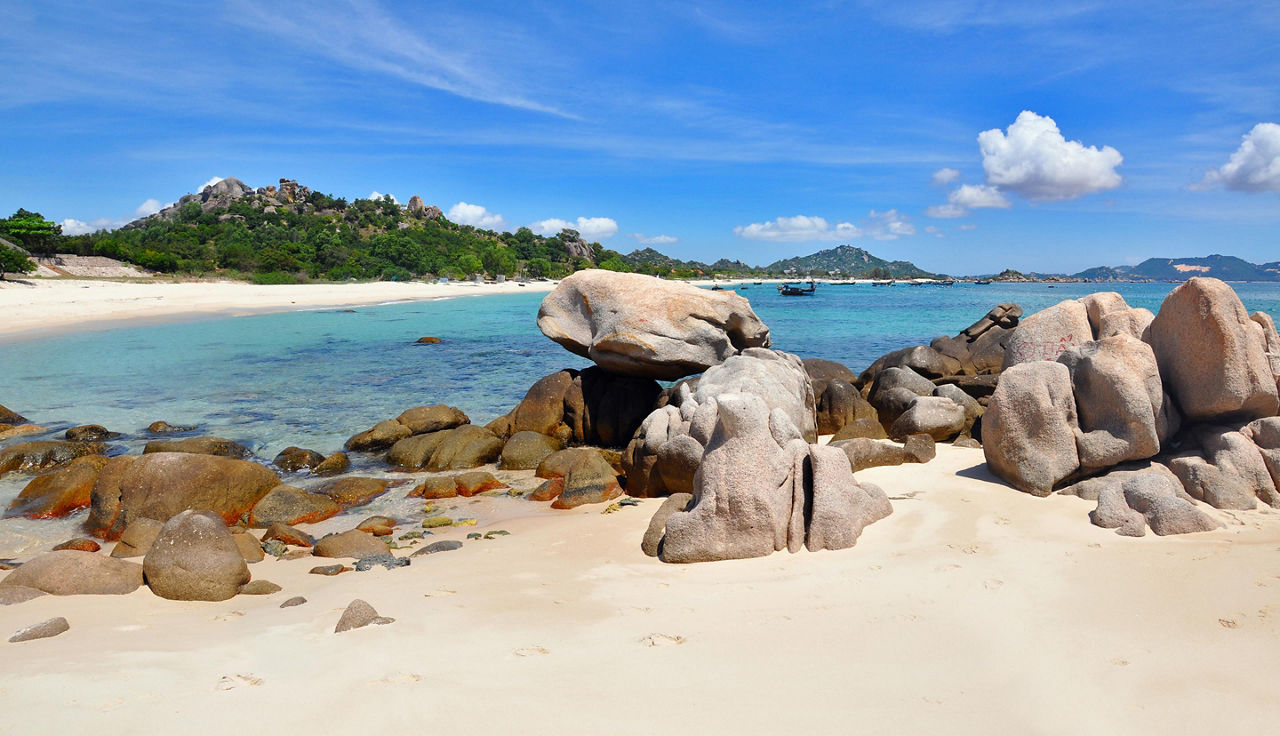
965,135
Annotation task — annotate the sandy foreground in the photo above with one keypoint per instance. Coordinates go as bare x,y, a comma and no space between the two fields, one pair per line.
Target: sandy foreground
972,609
41,306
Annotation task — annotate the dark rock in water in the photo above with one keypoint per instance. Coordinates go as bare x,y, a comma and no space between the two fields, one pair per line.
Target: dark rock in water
378,526
385,559
80,544
428,340
167,428
354,544
434,418
259,587
69,572
651,544
45,455
293,459
358,615
288,505
297,600
89,433
526,449
381,436
592,407
9,431
195,558
288,535
435,487
636,325
353,491
477,482
60,493
42,630
444,545
218,446
137,538
11,594
8,416
329,570
160,485
335,463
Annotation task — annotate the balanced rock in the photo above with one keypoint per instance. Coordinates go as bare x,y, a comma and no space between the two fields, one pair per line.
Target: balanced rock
69,572
195,558
159,485
289,505
641,326
1210,357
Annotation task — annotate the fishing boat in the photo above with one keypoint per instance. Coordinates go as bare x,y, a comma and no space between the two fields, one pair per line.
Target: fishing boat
983,282
797,290
888,282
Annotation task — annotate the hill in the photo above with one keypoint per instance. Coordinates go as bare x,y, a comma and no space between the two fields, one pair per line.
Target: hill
1227,268
848,261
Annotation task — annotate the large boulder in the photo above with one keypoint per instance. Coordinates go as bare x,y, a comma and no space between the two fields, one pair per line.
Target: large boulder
159,485
1029,429
195,558
937,416
353,490
1132,322
1045,334
70,572
1270,340
30,457
378,437
289,505
837,508
1265,435
526,449
778,378
839,403
423,419
641,326
461,448
199,446
1131,500
1098,305
1210,358
1122,410
589,479
60,493
1229,472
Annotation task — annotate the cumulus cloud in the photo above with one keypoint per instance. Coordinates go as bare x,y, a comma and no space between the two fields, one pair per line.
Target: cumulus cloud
798,229
977,196
934,231
590,228
968,226
149,207
375,194
888,225
72,226
476,216
1255,166
942,177
945,211
210,183
1034,160
643,239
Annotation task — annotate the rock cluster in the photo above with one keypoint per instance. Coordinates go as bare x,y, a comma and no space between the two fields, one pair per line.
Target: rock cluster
1165,411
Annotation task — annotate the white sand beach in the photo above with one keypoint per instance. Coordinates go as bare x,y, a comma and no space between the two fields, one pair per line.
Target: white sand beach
973,609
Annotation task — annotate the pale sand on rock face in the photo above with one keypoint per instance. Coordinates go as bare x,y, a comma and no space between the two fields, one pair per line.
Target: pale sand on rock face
973,609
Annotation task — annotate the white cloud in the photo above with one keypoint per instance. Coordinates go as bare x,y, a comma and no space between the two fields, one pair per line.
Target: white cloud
945,176
375,194
976,197
72,226
476,216
934,231
210,183
590,228
888,225
798,229
1036,161
643,239
1255,166
945,211
149,207
968,226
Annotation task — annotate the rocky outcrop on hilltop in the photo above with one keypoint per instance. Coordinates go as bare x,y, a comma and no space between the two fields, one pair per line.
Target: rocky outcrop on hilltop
1190,396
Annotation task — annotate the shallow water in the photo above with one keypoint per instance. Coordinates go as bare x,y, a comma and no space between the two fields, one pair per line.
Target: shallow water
314,378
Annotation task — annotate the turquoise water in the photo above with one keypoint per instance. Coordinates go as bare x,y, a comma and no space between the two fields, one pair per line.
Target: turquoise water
314,378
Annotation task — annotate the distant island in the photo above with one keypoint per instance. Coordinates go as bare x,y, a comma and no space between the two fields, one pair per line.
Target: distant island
288,233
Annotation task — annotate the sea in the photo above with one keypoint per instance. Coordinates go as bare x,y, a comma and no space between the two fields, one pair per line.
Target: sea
313,378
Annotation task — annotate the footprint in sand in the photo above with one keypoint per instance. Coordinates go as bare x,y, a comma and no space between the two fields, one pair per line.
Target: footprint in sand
662,640
993,583
1120,662
400,678
229,616
1227,623
231,682
531,651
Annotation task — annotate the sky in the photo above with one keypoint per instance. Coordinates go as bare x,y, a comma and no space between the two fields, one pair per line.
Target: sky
967,136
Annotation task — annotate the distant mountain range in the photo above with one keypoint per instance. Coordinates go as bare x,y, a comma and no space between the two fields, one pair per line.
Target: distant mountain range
843,260
1227,268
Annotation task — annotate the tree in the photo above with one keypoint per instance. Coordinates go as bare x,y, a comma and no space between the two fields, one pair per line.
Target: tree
13,260
539,267
32,231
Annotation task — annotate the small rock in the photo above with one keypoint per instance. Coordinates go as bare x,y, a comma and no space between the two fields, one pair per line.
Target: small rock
477,482
69,572
353,543
218,446
293,459
329,569
89,433
250,548
335,463
275,548
358,615
444,545
81,544
297,600
42,630
137,538
378,526
386,559
428,340
167,428
288,535
353,491
434,522
259,587
196,558
435,487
